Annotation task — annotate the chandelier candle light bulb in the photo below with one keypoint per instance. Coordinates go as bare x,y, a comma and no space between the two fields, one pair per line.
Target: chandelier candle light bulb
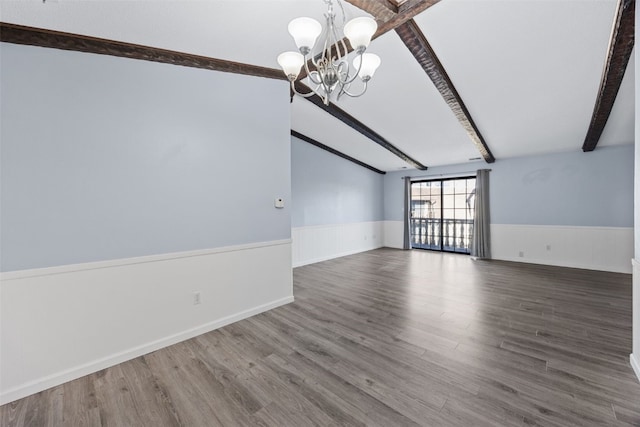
332,71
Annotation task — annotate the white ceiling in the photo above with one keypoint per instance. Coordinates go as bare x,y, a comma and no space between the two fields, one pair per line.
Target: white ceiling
528,70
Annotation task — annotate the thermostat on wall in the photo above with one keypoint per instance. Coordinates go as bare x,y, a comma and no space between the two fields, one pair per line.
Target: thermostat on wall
279,202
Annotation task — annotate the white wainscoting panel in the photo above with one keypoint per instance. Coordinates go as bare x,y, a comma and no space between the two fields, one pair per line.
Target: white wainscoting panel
593,248
635,356
323,242
394,234
62,323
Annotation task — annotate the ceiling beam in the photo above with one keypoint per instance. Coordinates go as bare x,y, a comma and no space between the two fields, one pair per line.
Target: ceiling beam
406,12
391,13
335,152
19,34
620,47
413,38
381,10
355,124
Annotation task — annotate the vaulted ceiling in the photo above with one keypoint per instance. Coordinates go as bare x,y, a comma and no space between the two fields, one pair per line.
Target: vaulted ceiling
519,77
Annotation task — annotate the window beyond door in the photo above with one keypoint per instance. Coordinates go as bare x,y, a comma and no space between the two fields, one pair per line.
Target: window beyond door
442,214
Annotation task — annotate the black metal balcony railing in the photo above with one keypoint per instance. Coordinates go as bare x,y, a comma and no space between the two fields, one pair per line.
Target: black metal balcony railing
447,234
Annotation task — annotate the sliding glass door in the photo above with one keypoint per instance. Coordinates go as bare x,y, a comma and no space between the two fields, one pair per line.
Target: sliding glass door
442,214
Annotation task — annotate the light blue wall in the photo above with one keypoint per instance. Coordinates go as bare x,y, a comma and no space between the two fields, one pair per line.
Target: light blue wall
575,188
105,158
327,189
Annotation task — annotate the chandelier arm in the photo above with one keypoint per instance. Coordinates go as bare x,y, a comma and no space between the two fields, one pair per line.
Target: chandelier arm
346,92
350,80
327,46
340,92
325,97
313,76
315,58
327,92
321,82
326,33
304,95
345,80
306,64
336,43
344,47
333,41
314,61
309,72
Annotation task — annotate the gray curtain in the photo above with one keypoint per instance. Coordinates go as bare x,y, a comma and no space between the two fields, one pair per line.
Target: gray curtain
407,213
480,240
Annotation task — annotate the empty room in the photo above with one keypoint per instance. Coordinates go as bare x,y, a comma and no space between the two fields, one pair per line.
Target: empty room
319,213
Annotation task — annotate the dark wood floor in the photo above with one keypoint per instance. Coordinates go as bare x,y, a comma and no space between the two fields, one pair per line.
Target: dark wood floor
385,338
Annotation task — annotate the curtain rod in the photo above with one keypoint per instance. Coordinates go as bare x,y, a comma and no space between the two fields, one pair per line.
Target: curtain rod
445,174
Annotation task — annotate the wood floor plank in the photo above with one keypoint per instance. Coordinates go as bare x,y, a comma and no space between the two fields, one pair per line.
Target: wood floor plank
291,405
14,413
373,411
385,338
80,406
332,407
116,400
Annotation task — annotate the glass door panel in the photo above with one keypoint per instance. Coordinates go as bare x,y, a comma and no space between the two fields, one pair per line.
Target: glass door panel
425,215
442,214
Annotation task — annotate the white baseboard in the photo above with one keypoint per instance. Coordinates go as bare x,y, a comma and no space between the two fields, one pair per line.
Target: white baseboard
635,331
61,326
323,242
635,364
564,263
593,248
96,365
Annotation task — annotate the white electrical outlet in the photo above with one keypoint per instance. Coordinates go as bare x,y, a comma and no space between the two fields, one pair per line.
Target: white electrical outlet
196,298
548,247
521,254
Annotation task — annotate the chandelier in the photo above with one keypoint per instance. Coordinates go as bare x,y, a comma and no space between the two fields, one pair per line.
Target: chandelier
332,72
